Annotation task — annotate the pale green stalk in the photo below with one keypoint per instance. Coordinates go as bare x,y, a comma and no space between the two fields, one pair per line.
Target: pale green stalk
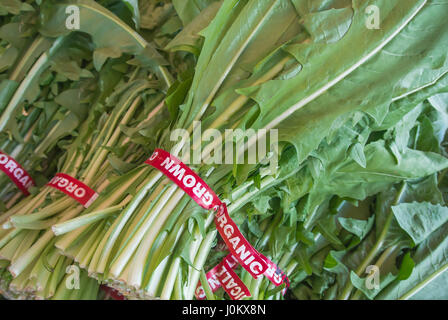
119,264
142,252
199,264
83,220
170,280
8,251
33,73
50,210
374,251
121,221
206,286
101,155
17,266
29,239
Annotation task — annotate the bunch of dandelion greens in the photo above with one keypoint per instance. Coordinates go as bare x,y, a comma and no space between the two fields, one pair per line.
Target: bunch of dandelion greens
294,81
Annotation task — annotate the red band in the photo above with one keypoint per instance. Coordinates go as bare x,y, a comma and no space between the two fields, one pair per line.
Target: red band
16,173
114,294
212,278
197,189
73,188
230,282
251,260
276,275
185,178
242,250
273,273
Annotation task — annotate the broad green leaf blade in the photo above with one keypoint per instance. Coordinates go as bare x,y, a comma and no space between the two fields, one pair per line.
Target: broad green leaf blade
428,279
106,29
188,10
419,220
360,228
303,116
188,39
368,287
236,40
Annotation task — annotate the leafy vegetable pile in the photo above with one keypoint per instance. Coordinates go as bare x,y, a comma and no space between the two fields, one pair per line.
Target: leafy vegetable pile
355,208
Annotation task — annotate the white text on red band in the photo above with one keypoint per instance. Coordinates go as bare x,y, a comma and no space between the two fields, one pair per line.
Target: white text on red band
188,181
241,251
70,187
20,174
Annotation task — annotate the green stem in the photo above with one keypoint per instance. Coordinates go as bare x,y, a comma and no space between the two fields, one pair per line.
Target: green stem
23,62
101,156
206,286
375,250
169,281
199,264
54,208
35,71
83,220
147,241
37,225
121,221
86,253
422,284
24,260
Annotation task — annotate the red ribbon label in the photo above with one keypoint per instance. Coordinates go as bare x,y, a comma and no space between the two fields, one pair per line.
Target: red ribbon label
114,294
223,275
248,257
251,260
212,278
16,173
230,282
196,188
73,188
185,178
276,275
273,273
